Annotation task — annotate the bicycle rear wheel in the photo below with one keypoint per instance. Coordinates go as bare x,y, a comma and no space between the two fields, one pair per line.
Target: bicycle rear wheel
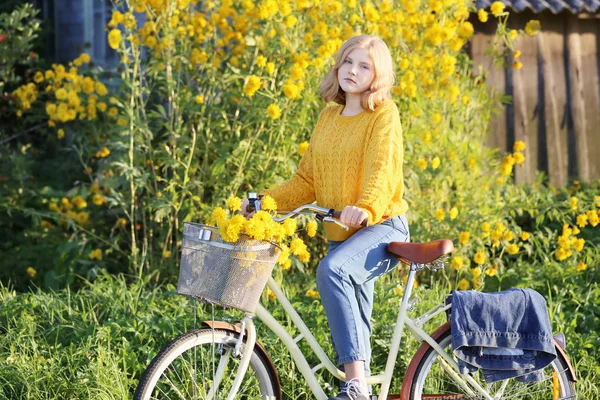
431,381
201,365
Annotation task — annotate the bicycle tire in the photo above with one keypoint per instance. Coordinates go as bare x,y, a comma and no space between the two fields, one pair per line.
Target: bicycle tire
429,379
261,380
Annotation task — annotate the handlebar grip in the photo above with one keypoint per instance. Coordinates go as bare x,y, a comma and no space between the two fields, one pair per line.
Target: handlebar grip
338,214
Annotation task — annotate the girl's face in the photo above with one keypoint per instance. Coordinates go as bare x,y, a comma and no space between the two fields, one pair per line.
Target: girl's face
357,72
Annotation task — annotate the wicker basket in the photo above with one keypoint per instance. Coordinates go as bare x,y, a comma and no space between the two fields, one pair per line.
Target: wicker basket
228,274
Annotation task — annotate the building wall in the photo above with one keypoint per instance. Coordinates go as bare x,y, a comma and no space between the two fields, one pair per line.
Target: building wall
69,29
556,95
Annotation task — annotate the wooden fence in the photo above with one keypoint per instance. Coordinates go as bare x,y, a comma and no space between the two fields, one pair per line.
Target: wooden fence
556,95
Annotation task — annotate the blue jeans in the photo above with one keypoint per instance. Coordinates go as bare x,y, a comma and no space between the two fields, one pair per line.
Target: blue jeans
346,282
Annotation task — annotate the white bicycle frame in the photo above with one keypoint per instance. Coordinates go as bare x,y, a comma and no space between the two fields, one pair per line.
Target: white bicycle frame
465,381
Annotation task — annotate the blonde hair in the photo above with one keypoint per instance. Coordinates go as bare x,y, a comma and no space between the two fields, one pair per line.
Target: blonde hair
383,80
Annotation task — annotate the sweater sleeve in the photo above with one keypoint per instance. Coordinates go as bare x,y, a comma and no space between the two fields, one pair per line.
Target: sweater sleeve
383,164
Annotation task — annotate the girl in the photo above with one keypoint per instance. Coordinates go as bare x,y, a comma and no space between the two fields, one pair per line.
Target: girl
354,164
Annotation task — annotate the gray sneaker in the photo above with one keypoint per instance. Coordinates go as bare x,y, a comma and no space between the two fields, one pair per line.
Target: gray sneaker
353,391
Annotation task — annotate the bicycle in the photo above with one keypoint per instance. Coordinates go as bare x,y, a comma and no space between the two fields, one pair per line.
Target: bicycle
225,360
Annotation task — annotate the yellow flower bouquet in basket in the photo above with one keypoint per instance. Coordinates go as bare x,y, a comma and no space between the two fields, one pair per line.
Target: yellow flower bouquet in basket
229,264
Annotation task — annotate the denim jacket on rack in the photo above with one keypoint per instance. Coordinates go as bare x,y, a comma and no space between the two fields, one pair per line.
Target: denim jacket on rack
506,334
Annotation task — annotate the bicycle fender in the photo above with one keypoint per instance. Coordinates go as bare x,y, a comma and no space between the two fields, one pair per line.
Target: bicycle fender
222,325
411,370
414,363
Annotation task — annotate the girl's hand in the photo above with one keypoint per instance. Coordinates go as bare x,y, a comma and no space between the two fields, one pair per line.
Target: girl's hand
353,216
245,212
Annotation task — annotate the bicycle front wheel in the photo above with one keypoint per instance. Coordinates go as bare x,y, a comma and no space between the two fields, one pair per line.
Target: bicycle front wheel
201,365
431,380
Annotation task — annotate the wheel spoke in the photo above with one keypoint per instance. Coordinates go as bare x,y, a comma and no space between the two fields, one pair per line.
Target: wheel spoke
433,381
185,370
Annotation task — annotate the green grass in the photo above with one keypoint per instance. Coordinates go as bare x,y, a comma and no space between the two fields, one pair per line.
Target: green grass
96,343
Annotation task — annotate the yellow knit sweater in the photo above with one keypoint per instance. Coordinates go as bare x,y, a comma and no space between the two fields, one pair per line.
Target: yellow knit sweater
351,160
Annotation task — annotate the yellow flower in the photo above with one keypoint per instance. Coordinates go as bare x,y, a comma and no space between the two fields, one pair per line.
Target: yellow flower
479,257
497,8
166,254
268,203
291,90
230,229
512,35
39,77
273,111
421,163
312,294
270,68
579,243
96,255
302,147
464,237
113,112
593,217
290,226
581,266
435,163
457,263
199,99
103,152
287,264
121,222
234,203
261,61
311,228
597,201
98,200
508,236
218,214
471,163
533,27
506,169
517,65
516,55
466,30
463,284
453,213
476,272
439,214
525,236
493,271
297,246
486,226
31,272
518,157
512,248
253,83
573,203
482,15
114,38
61,94
60,133
79,202
582,220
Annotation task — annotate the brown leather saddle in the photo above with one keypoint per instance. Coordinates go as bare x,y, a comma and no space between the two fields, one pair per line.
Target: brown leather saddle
420,253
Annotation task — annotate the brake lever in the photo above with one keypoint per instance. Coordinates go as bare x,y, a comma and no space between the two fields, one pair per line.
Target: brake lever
335,221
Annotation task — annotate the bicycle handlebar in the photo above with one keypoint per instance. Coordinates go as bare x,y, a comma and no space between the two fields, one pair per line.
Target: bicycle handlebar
322,213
